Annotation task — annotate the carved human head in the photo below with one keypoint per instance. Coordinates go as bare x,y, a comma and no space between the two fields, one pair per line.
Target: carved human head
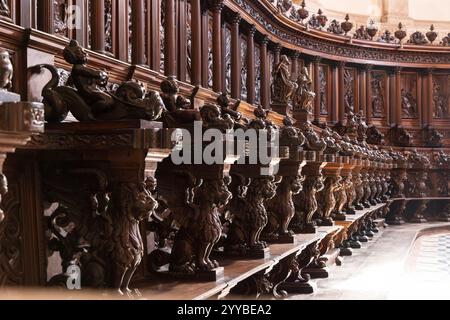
284,59
74,53
170,86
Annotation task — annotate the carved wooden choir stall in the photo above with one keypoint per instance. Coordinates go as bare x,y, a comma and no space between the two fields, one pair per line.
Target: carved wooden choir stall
350,132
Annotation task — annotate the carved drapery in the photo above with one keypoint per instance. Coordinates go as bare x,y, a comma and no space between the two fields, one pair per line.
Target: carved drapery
243,68
378,94
323,96
228,54
441,96
349,90
257,75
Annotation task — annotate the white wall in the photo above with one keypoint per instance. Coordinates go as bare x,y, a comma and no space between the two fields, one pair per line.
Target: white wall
438,10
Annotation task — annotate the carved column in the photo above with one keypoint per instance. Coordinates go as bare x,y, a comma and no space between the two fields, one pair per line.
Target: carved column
81,35
335,94
217,44
265,77
362,90
205,48
154,41
421,101
341,71
327,197
181,39
398,96
388,99
276,53
26,14
122,26
98,28
369,111
196,45
45,16
138,32
317,89
306,202
294,65
235,58
170,39
430,101
251,65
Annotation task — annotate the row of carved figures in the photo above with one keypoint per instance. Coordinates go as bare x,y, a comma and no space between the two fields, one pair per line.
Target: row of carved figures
200,211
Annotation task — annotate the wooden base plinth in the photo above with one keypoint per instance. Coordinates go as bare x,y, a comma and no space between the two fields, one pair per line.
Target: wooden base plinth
340,217
316,273
252,254
396,221
200,276
297,287
307,230
281,239
326,223
345,252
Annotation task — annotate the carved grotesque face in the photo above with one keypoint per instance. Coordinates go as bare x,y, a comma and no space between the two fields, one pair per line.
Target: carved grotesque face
269,188
215,191
297,184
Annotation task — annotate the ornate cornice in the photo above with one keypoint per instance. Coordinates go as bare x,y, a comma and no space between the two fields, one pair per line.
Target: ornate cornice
326,44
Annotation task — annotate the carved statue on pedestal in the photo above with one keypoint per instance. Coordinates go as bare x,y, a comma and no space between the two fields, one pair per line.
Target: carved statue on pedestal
306,204
283,87
341,195
281,208
200,226
304,97
249,220
328,199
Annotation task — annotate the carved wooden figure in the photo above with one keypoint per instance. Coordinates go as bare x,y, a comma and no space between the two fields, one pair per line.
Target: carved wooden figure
281,208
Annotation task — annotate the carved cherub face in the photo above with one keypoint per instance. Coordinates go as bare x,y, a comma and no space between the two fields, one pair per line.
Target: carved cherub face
4,57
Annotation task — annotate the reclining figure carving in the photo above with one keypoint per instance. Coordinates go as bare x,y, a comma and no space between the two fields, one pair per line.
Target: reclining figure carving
88,99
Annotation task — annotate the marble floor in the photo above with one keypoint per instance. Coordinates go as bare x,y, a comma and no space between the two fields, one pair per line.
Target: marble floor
392,266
